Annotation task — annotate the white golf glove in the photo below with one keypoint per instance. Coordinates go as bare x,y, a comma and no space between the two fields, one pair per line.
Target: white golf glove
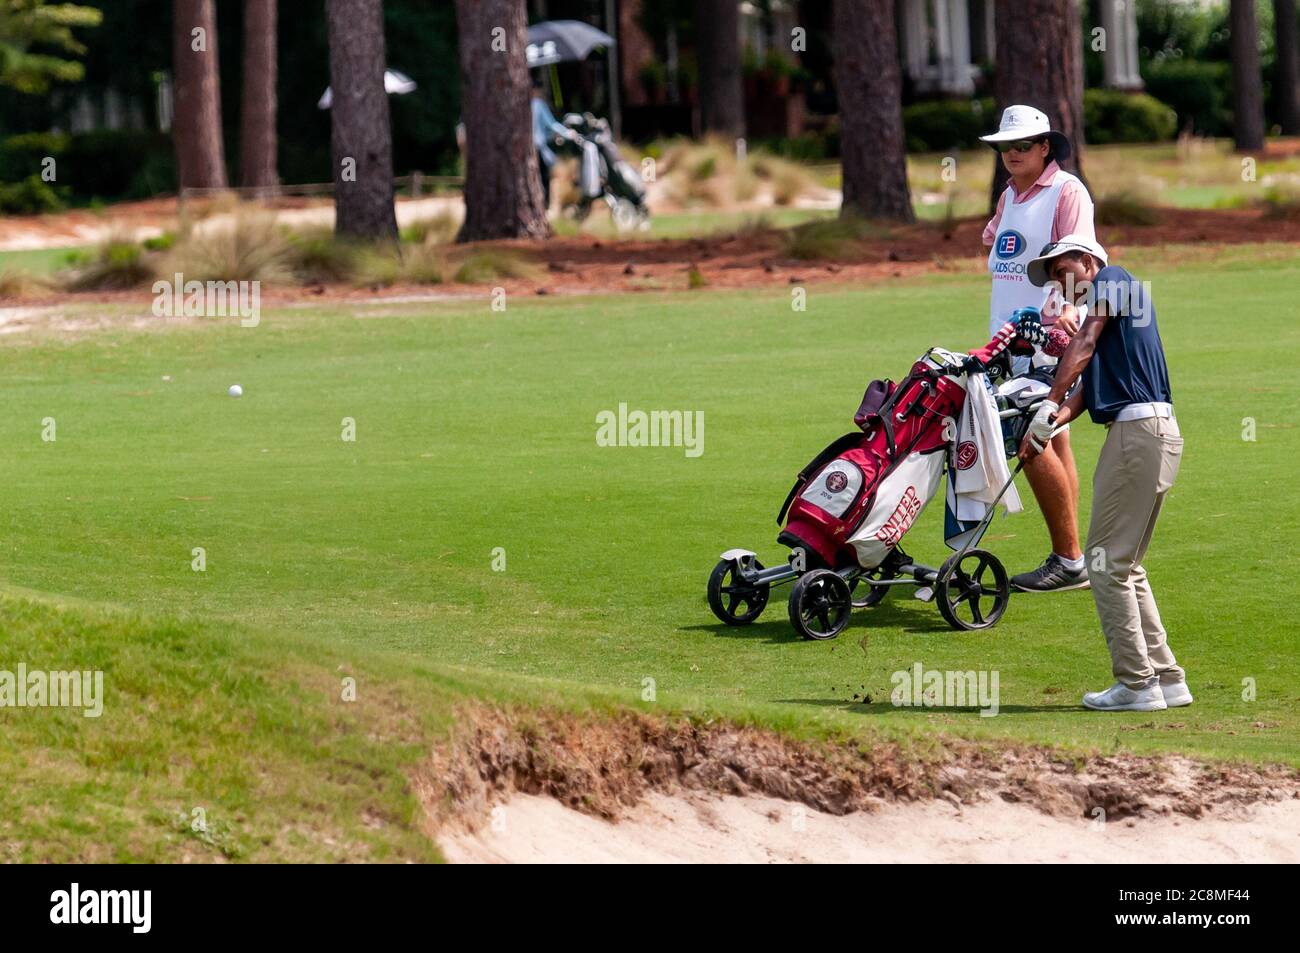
1041,427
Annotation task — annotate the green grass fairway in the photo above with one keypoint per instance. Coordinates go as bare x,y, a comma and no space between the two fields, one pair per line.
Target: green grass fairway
37,261
476,430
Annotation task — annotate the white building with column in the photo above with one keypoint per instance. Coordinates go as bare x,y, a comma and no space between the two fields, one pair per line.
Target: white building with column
944,43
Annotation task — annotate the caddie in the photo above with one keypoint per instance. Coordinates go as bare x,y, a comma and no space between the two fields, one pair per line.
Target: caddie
1125,386
1042,203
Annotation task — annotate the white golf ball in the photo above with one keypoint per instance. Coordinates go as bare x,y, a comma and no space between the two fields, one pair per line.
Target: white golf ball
236,390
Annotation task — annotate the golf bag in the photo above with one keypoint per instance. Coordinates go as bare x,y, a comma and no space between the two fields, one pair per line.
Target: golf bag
854,501
603,173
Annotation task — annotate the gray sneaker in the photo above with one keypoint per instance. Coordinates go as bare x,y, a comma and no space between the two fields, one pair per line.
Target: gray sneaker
1052,576
1122,698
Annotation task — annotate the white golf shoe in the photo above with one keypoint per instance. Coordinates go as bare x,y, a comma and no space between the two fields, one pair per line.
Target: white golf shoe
1176,694
1120,697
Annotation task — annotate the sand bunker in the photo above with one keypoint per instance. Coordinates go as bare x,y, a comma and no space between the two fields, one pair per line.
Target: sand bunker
541,786
702,829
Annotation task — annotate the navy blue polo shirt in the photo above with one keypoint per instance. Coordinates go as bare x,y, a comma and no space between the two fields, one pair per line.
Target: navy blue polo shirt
1128,366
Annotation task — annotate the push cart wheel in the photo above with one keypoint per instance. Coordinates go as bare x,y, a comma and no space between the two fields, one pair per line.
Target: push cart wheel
625,215
820,604
972,590
732,599
866,595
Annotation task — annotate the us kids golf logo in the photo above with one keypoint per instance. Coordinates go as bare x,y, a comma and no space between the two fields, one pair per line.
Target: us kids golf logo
35,688
654,428
179,298
1009,244
918,687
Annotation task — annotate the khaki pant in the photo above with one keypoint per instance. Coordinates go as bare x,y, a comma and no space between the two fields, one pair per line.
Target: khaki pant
1137,466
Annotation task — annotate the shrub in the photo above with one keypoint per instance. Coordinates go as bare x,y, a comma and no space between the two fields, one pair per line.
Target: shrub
789,180
1281,202
118,163
17,284
489,265
422,265
1125,208
1111,115
110,164
437,229
704,169
809,147
115,264
316,257
250,247
830,238
163,242
745,182
943,124
376,267
788,183
24,155
31,196
1196,91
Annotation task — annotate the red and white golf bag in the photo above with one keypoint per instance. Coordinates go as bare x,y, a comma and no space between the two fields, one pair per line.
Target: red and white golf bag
854,501
857,498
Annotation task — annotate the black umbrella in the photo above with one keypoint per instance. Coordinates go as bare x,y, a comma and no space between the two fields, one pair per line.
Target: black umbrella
563,41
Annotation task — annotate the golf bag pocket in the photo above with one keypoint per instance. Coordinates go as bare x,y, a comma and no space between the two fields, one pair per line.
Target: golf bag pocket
878,392
835,488
899,501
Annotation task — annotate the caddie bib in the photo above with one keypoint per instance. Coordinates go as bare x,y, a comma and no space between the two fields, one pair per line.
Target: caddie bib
1023,231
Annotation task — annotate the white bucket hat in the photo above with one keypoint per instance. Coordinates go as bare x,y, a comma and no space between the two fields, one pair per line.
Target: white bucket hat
1026,122
1037,269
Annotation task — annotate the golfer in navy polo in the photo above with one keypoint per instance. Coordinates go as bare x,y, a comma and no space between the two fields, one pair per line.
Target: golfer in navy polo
1125,386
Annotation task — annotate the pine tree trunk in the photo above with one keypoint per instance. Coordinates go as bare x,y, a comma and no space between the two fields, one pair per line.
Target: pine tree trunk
360,138
722,96
1038,63
196,124
1288,67
257,137
873,150
503,190
1247,95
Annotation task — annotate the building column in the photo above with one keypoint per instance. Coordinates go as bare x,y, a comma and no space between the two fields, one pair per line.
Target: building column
952,36
1120,59
916,54
1131,44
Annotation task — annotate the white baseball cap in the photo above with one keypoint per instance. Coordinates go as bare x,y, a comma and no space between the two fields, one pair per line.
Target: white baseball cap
1037,269
1026,122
